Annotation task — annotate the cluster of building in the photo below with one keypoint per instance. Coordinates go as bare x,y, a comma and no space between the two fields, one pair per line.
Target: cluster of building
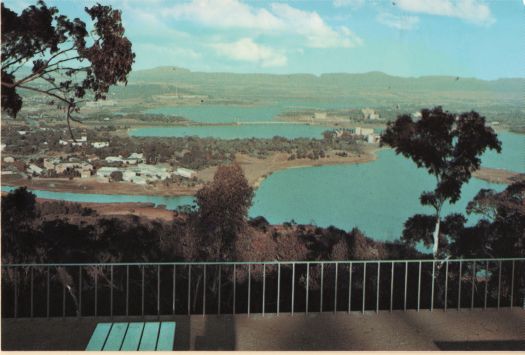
371,135
83,141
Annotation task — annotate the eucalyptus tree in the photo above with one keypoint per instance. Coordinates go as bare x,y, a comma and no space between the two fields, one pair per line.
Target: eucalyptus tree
46,53
448,146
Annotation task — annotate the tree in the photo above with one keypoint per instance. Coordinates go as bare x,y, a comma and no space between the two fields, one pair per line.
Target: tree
448,145
59,49
223,209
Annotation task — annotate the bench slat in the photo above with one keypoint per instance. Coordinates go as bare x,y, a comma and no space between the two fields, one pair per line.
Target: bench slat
98,339
133,335
166,336
149,336
116,336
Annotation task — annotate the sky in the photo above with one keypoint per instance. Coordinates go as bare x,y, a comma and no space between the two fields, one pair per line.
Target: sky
467,38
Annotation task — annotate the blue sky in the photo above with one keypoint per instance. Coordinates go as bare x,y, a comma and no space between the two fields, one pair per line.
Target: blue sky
468,38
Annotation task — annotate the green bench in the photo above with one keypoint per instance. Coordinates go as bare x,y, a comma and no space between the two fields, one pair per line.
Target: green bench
150,336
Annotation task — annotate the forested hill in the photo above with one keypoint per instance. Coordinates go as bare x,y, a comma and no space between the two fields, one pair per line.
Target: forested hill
331,85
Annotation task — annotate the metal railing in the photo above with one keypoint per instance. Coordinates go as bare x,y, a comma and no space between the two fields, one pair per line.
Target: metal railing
139,289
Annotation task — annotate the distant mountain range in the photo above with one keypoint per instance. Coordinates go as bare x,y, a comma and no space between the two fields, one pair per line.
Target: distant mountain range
373,85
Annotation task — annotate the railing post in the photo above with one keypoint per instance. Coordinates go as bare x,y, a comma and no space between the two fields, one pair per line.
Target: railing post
512,286
63,299
235,286
127,290
349,287
158,290
278,287
189,289
391,285
174,289
433,281
249,287
406,278
111,293
143,271
419,287
32,277
472,291
80,291
322,288
47,292
364,287
335,291
486,284
219,296
264,288
499,283
293,287
446,285
15,280
459,283
96,291
204,291
307,285
378,285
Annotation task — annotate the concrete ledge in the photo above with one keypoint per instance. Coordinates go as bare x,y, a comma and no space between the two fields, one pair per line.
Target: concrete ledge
411,330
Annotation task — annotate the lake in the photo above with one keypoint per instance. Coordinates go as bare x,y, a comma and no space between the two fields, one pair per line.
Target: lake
233,113
242,131
376,197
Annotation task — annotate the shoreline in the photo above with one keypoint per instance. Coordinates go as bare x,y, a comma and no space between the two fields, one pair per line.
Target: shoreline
255,169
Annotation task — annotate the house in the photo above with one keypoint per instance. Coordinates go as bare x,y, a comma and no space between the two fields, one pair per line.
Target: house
187,173
34,169
137,156
373,138
51,163
363,131
129,175
370,114
106,171
22,133
114,159
9,160
99,145
320,115
2,147
63,142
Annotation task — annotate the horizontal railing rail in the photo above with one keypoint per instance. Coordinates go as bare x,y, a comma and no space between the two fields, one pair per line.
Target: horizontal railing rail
163,288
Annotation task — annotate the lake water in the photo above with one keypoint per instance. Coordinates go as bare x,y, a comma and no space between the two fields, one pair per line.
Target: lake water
289,131
377,196
512,155
233,113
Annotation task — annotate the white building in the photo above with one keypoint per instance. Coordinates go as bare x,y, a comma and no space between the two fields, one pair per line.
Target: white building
33,169
114,159
99,145
22,133
63,142
363,131
137,156
2,146
373,138
187,173
9,160
106,171
370,114
320,115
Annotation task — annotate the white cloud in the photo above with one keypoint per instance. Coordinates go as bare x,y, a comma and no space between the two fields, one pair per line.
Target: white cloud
246,50
312,27
279,19
398,22
349,3
474,11
226,14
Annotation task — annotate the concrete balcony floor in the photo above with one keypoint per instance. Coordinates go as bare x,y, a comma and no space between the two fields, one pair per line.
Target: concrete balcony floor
492,329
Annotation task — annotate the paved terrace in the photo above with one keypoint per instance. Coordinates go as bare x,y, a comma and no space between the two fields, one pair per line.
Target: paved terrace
411,330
